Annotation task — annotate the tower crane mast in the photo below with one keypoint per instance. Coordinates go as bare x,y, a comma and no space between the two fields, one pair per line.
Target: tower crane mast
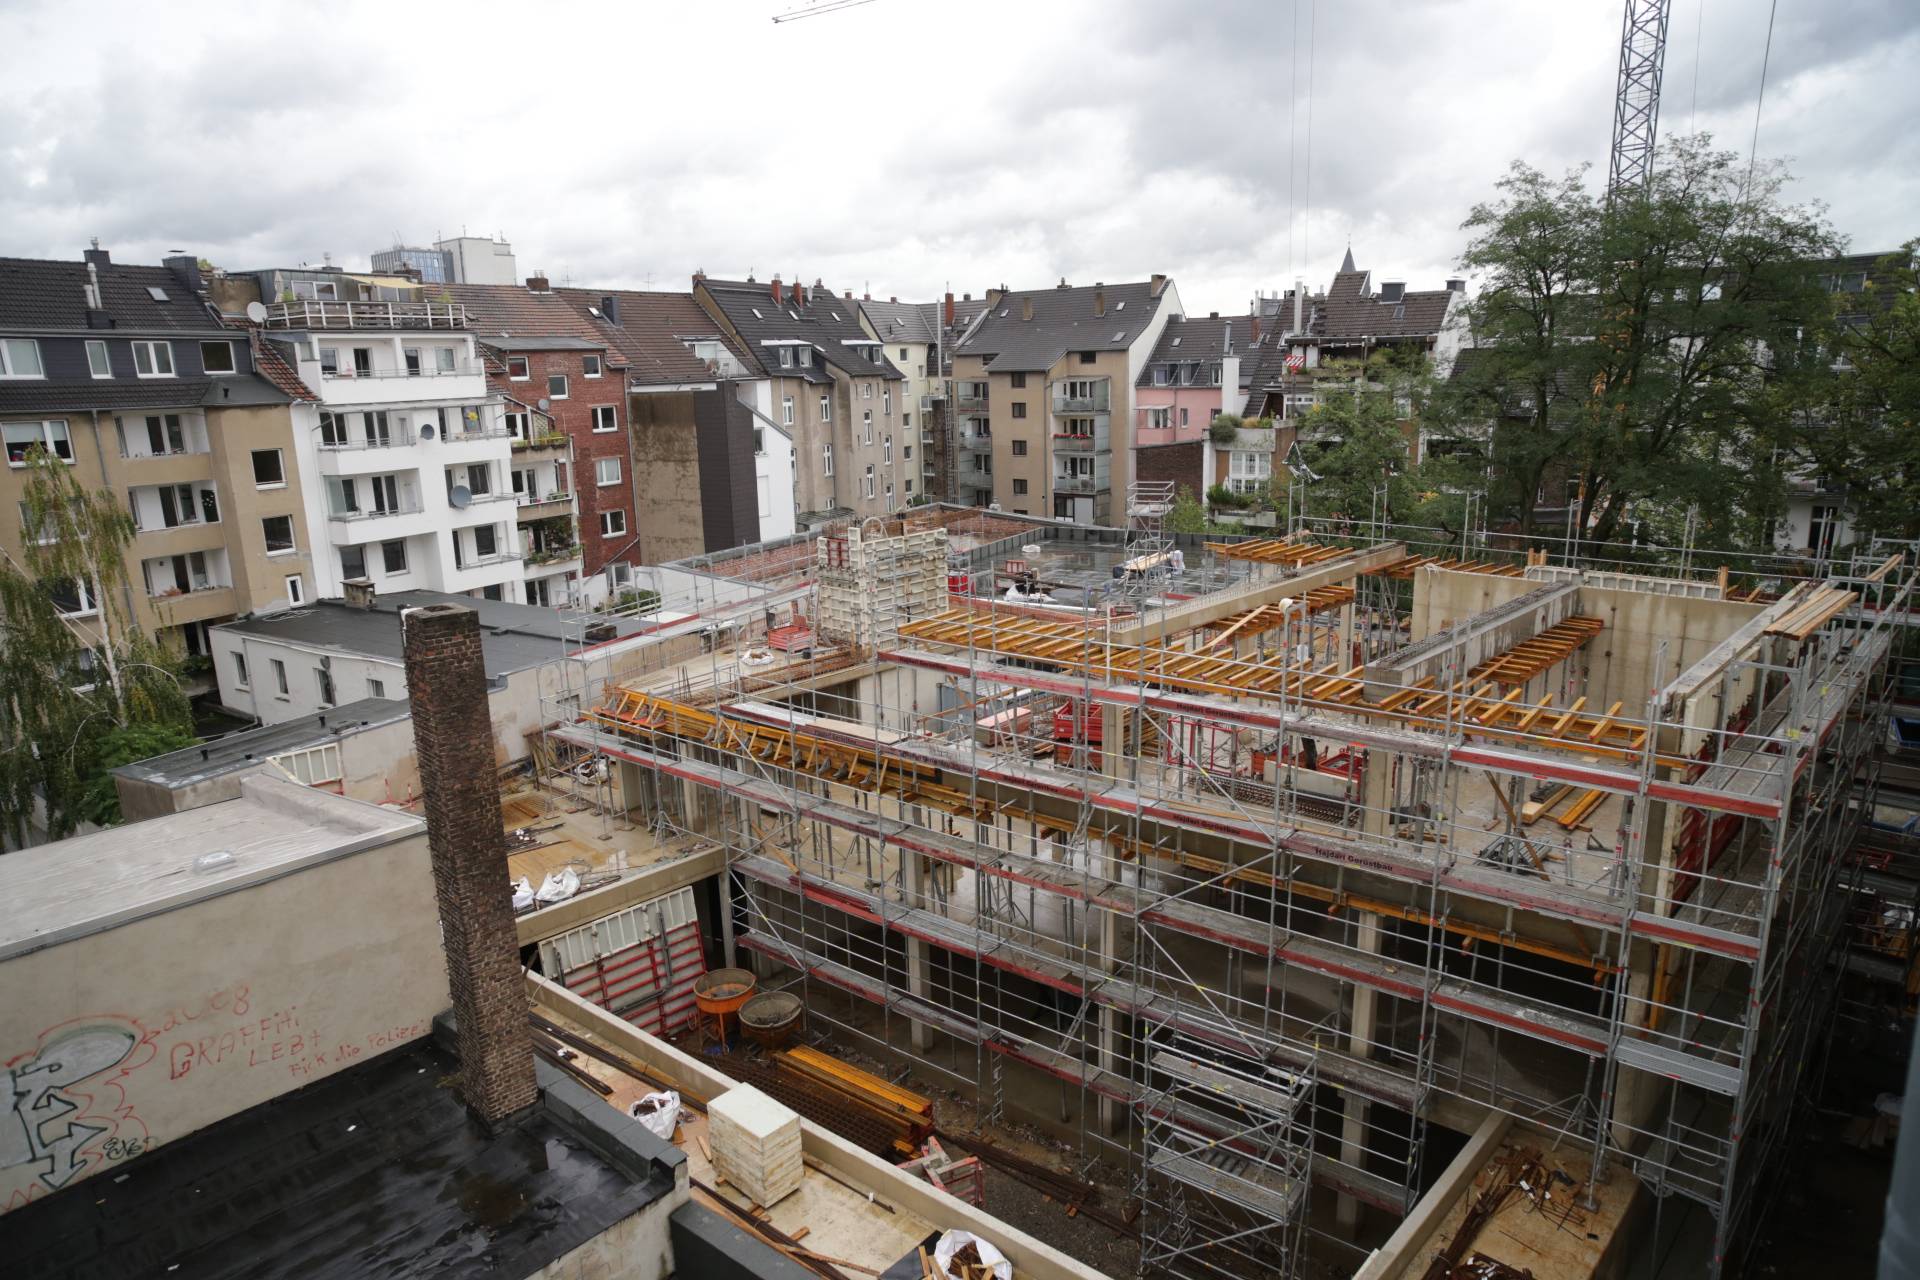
1636,104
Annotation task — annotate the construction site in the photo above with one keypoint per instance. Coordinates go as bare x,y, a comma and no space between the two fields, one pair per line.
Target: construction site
1313,899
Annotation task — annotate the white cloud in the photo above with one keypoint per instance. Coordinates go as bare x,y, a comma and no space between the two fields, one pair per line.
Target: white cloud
900,144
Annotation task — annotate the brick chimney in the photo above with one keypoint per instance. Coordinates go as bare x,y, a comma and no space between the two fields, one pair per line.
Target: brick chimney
1099,302
699,277
610,308
947,314
538,284
96,255
1156,284
1026,308
453,737
777,294
1253,324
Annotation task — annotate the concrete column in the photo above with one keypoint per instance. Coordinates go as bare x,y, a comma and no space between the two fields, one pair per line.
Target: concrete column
1109,1056
1346,635
1376,793
913,891
1360,1025
729,955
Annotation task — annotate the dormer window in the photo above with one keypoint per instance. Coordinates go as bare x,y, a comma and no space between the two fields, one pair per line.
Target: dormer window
805,356
1160,374
786,357
20,358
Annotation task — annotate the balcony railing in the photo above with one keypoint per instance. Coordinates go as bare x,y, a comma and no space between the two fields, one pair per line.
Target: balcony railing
544,440
966,403
1079,444
553,555
316,314
552,504
410,508
484,562
1095,403
461,369
197,589
1076,484
400,439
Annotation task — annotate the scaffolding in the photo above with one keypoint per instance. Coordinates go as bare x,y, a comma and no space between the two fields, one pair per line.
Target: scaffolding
1267,890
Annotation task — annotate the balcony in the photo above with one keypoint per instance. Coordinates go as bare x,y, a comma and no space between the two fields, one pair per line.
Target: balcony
466,562
1076,443
543,443
970,402
315,314
347,373
552,559
1096,400
1077,484
553,504
176,608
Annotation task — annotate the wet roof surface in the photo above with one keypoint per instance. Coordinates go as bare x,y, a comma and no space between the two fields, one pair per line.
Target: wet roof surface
374,1171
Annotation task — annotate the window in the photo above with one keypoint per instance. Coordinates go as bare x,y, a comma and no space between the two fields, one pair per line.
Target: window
909,486
217,357
153,359
805,357
1159,375
826,459
886,451
393,556
329,361
1019,486
268,473
317,290
903,353
613,523
50,435
517,425
1019,409
866,426
485,541
479,478
278,531
517,370
353,562
1087,357
1213,374
606,471
333,430
20,358
1018,381
606,417
786,411
557,386
443,359
786,357
591,365
1019,448
886,401
412,357
868,485
239,670
279,675
1183,415
866,391
1159,419
296,589
376,688
97,363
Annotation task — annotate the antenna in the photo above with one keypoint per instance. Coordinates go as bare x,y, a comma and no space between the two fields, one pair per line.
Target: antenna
815,8
459,497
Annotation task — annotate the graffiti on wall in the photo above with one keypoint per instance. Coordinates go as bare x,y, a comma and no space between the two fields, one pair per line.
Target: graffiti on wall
67,1106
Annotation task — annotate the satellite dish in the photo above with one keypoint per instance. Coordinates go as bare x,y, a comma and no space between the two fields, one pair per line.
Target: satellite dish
256,312
459,496
426,431
545,404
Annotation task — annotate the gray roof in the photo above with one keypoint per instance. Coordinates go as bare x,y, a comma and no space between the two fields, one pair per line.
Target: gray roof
903,321
825,320
1064,319
513,637
250,747
55,892
42,295
115,394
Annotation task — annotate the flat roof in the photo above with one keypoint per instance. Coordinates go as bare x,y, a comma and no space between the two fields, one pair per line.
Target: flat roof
251,747
53,893
374,1171
514,637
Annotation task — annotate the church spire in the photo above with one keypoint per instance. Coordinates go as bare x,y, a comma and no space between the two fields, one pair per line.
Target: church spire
1346,263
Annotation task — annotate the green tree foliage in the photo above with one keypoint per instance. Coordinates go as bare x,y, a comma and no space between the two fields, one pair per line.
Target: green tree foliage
1221,429
1626,342
1187,515
67,685
1856,398
125,744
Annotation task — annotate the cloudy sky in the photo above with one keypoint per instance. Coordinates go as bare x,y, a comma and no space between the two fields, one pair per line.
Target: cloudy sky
902,145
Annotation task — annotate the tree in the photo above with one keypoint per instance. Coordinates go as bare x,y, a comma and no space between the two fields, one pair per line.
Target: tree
1626,340
1186,515
1354,441
1855,401
75,667
1221,430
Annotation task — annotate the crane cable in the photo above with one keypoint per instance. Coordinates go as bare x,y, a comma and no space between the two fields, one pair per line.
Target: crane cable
1753,151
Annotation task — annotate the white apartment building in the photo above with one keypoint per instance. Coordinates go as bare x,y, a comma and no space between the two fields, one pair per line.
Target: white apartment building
407,455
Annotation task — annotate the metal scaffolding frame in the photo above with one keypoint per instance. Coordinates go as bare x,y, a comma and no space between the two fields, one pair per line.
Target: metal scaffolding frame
1086,861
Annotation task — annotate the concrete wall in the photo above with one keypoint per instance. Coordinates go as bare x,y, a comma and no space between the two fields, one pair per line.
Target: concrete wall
665,463
196,1014
378,766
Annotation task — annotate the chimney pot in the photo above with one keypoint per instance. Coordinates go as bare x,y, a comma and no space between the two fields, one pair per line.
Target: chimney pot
699,275
1158,283
893,300
538,284
453,738
947,311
